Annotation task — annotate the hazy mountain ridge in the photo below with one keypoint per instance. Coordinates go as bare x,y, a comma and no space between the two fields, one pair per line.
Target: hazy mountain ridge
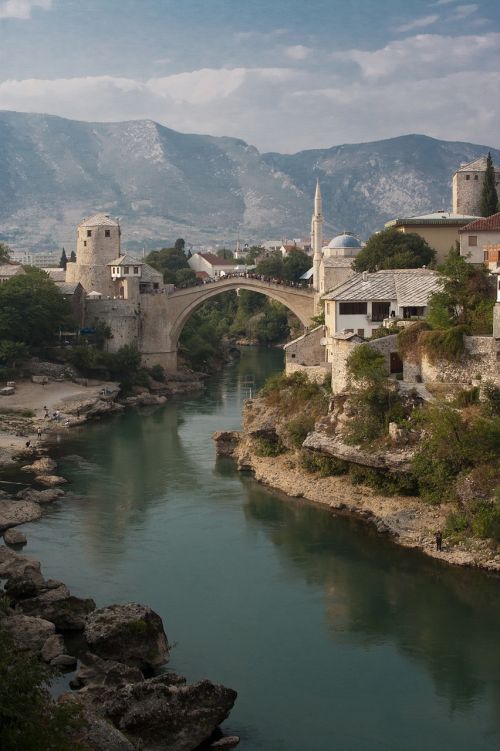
164,184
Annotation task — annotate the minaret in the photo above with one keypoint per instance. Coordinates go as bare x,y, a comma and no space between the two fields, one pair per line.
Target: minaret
317,237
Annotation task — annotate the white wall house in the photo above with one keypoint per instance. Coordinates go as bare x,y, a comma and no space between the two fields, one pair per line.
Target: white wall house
476,236
360,304
212,264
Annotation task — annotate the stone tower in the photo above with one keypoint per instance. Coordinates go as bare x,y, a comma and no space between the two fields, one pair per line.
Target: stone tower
97,244
467,187
317,236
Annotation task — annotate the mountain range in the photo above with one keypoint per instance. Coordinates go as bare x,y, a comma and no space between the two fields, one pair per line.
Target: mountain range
163,184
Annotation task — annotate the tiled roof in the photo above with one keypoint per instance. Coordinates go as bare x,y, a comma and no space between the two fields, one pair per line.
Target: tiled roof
405,286
68,288
149,274
10,269
478,165
485,224
126,260
97,220
57,275
443,218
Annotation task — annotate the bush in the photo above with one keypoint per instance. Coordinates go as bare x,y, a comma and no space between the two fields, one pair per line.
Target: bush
294,394
366,364
486,521
456,523
298,429
383,481
467,397
447,344
409,341
268,446
492,399
157,373
325,466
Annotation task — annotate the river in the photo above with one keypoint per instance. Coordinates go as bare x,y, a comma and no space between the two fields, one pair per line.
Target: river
334,638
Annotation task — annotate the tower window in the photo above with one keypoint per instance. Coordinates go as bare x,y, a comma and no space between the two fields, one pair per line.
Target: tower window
107,233
84,243
126,269
89,233
476,177
136,269
472,241
467,177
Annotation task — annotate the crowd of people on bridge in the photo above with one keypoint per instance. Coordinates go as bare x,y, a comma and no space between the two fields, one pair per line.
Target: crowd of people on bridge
301,284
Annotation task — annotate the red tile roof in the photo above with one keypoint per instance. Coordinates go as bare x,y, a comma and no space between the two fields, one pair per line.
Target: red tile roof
215,260
202,275
486,224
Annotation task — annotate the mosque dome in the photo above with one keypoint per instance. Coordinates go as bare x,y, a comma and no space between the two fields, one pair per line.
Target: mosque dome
345,240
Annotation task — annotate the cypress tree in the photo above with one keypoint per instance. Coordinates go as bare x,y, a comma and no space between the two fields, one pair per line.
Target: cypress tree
489,196
64,260
72,257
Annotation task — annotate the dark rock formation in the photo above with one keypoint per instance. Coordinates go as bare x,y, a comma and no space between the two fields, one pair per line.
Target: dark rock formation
95,671
40,496
66,612
226,441
15,566
29,634
129,633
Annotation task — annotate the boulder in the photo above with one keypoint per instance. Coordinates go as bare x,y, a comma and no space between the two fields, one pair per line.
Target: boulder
17,512
50,481
226,441
29,634
52,648
43,466
16,566
64,662
95,671
95,733
14,537
66,612
129,633
21,588
159,715
40,496
226,743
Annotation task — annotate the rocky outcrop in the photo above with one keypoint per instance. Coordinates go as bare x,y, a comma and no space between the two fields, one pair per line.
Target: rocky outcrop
95,671
333,445
40,496
50,481
29,634
16,566
43,466
53,648
65,611
157,714
225,442
14,512
129,633
14,537
144,399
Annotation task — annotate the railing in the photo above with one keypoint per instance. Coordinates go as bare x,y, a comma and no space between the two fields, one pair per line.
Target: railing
302,286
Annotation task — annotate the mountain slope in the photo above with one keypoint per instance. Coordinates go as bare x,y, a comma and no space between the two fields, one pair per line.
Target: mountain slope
164,184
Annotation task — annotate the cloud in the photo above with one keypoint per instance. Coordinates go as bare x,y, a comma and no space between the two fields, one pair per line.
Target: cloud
462,12
22,9
418,23
443,2
425,55
243,36
297,52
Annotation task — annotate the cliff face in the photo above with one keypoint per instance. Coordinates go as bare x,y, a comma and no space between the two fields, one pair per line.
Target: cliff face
164,184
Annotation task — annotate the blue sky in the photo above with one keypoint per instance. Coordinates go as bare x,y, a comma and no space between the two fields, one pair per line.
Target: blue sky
284,75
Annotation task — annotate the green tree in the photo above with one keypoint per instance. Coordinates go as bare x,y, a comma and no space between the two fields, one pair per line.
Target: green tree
32,309
64,260
168,261
253,252
295,264
186,278
180,244
72,257
4,253
225,253
489,196
391,249
29,719
271,266
466,297
11,353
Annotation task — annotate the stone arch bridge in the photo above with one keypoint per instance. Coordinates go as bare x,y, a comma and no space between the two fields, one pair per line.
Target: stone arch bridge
162,317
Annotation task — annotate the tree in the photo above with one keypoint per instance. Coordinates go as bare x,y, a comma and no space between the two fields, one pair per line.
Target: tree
295,264
12,352
4,253
272,266
180,244
72,257
168,261
489,196
186,278
225,253
32,309
466,297
64,260
391,249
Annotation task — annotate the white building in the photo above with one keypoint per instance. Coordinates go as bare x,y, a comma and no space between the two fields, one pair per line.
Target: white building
360,304
477,236
39,259
211,264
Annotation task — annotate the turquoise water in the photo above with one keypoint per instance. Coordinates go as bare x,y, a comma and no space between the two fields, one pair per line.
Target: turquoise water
333,637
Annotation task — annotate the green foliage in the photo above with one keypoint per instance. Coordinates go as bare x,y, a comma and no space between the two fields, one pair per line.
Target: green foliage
32,309
12,353
489,196
268,446
29,719
4,253
180,245
271,326
467,397
466,297
72,257
366,364
202,341
486,520
384,482
226,254
271,266
456,523
325,466
157,373
171,261
409,344
295,264
253,252
184,278
391,249
491,399
64,260
299,427
382,332
447,344
295,394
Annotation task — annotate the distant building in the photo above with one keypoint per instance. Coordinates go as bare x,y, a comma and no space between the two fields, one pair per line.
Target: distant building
467,186
40,259
440,229
10,270
212,264
477,236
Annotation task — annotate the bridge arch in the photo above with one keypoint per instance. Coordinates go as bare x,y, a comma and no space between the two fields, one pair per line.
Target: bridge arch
182,303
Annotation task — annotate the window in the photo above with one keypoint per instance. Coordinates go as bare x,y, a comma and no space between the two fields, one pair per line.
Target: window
293,354
352,308
486,259
467,177
107,233
361,332
84,243
89,233
476,177
156,285
136,269
126,269
380,310
472,241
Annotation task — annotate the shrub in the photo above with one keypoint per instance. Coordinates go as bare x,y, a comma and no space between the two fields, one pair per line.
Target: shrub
383,481
157,373
268,446
409,341
325,466
298,429
486,520
444,344
466,397
366,364
492,399
456,523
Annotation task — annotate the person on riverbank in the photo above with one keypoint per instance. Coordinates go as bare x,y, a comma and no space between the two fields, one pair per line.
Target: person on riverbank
439,540
39,433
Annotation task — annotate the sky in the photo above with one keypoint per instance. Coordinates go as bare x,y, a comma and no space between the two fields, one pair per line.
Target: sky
284,75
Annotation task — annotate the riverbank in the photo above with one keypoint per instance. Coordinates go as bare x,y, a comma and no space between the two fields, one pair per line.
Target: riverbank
407,520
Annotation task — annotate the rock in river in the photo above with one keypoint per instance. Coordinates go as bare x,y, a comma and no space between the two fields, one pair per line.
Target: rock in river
130,633
29,634
50,481
13,513
43,466
40,496
66,612
14,537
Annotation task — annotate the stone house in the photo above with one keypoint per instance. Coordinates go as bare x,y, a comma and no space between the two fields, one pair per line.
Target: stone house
467,186
212,264
477,236
439,229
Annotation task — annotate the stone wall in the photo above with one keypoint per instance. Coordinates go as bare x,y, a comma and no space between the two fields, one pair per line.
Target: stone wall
121,316
480,362
307,348
342,348
315,373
